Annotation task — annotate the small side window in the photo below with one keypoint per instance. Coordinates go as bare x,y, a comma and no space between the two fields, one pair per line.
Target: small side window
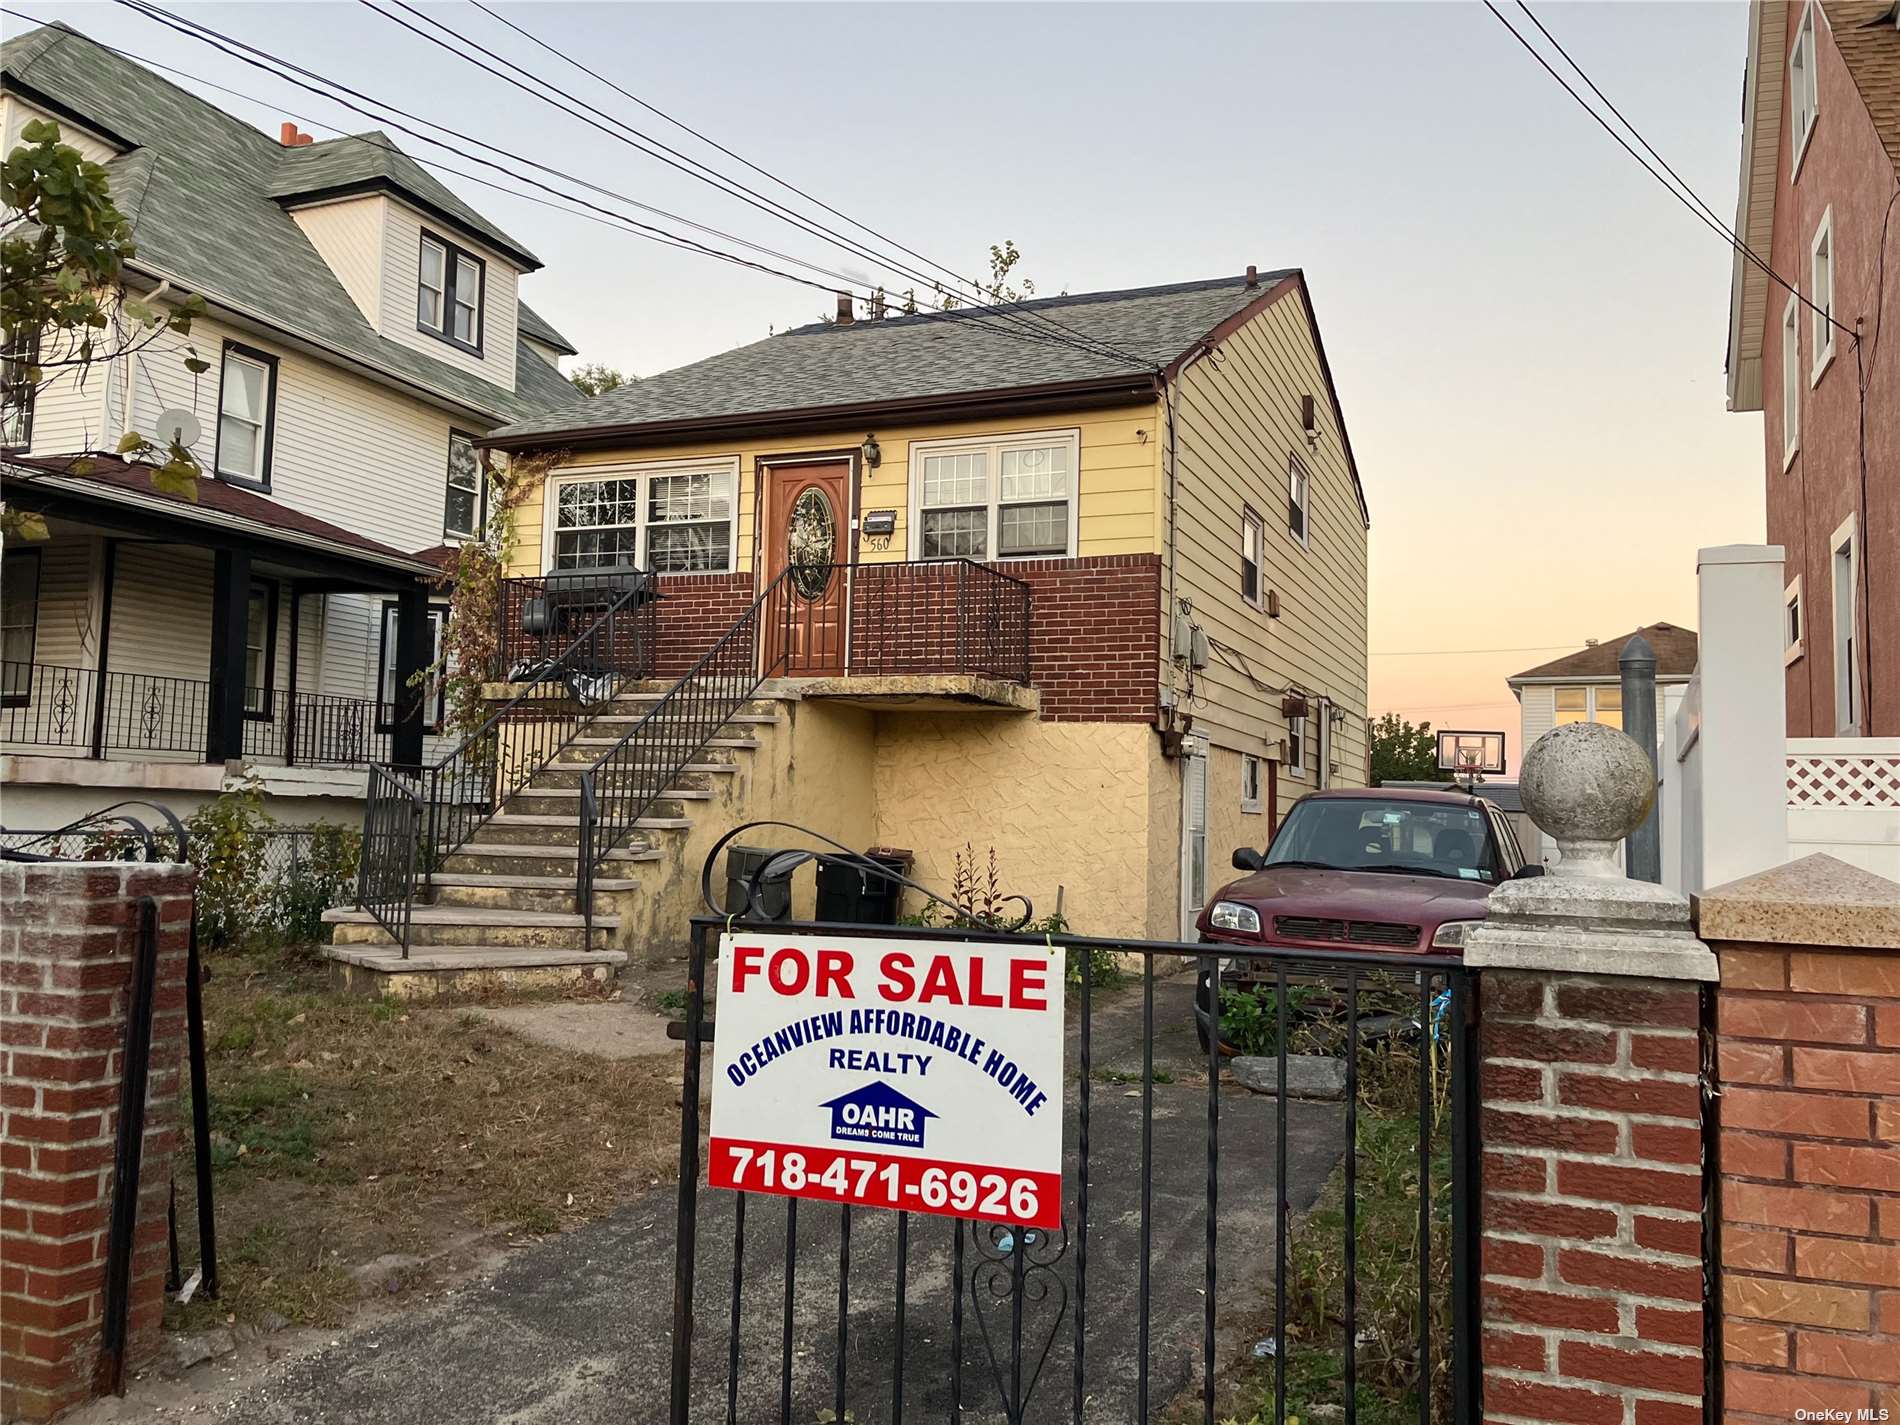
1251,777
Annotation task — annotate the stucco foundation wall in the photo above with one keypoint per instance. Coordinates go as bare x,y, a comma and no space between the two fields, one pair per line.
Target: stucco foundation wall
1064,804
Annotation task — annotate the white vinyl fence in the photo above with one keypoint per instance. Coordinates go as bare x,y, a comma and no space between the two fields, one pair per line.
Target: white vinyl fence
1738,795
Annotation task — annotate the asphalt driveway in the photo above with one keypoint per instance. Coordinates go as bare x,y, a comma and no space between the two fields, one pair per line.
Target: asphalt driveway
577,1330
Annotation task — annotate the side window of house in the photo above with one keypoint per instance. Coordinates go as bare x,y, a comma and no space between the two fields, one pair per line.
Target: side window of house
247,398
434,696
467,503
1804,92
1251,778
1299,500
16,392
19,621
1794,626
1790,380
1253,542
1296,747
1003,499
449,292
671,521
1590,702
1821,294
260,650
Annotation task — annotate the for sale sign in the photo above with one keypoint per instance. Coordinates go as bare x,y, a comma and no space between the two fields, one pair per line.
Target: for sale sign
913,1074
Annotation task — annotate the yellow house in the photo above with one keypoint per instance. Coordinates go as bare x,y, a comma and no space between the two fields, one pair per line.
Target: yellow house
1080,579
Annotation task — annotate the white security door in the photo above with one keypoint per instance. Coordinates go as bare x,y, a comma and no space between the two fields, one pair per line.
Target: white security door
1193,833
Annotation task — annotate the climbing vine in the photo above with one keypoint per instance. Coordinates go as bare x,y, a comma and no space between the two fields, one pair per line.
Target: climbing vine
469,645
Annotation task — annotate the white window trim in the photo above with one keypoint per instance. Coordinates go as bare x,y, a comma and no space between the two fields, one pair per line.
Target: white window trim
1251,522
1791,382
1824,355
625,470
995,444
1807,32
1590,690
1296,764
1305,537
1254,805
1791,598
1846,533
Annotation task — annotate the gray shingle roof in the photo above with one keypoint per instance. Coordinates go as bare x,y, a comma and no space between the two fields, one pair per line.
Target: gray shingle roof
918,357
370,160
198,192
533,324
1675,648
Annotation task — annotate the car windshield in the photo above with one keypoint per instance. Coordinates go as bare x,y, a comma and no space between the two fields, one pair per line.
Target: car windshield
1363,834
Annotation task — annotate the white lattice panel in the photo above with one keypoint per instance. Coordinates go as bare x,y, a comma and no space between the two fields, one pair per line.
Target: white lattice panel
1844,780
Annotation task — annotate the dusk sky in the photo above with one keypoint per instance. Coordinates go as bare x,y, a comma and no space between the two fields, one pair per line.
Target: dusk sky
1527,332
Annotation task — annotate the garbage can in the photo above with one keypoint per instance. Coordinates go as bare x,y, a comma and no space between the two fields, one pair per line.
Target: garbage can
854,896
774,900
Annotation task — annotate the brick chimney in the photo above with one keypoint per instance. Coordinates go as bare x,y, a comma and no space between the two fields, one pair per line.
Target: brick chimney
1253,275
289,137
845,317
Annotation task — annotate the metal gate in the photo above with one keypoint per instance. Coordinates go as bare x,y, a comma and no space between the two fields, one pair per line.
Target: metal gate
1215,1257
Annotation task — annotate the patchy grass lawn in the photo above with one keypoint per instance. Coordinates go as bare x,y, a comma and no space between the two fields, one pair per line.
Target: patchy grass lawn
346,1129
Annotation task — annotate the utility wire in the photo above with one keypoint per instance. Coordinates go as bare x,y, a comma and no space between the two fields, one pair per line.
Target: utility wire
623,132
746,162
265,62
1690,202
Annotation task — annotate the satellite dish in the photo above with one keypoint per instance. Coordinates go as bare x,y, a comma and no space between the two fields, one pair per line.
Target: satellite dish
175,423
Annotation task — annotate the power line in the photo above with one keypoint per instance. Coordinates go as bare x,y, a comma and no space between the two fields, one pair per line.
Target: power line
1690,201
746,162
265,62
646,144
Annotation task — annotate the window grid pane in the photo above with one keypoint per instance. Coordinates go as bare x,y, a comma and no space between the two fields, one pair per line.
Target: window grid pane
955,534
1041,473
959,479
1033,529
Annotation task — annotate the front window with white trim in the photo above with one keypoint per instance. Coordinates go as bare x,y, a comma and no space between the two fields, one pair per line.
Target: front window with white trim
1790,381
670,520
1010,498
1821,293
1804,87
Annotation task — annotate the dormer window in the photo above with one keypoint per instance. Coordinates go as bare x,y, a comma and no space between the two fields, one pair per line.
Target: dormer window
449,293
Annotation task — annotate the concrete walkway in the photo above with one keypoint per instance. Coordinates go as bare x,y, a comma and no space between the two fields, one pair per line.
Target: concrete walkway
577,1330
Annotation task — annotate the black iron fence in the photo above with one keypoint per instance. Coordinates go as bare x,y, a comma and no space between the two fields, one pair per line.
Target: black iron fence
80,711
1224,1252
939,616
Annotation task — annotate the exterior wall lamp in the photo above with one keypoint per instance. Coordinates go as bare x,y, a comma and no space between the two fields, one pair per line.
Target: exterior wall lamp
872,452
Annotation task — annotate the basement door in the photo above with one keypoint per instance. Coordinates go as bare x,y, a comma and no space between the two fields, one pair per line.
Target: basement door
809,509
1193,834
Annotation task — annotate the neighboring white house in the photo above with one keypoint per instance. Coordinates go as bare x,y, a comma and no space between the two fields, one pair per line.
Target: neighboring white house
365,327
1586,686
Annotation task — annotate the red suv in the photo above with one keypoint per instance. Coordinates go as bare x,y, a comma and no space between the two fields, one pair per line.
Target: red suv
1379,869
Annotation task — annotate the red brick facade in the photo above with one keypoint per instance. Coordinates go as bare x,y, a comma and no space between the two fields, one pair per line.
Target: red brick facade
68,934
1592,1180
694,610
1809,1062
1844,171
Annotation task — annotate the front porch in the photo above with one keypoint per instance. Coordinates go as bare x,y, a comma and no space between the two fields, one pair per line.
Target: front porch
151,645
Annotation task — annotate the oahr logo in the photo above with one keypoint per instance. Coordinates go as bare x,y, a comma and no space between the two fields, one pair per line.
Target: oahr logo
878,1113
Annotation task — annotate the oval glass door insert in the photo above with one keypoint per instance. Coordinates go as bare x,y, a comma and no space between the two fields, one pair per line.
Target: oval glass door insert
812,541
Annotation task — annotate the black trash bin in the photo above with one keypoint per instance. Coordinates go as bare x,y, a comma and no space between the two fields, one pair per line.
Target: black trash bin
854,896
774,900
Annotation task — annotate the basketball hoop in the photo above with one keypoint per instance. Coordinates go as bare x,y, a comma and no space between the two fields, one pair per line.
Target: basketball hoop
1471,756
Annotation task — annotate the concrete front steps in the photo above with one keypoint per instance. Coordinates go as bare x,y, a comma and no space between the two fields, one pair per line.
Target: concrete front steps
503,912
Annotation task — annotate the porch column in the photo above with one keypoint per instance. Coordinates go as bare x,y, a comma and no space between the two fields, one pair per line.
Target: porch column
230,611
413,654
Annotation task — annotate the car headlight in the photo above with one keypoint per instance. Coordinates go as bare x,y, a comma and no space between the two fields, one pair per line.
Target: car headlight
1452,934
1231,915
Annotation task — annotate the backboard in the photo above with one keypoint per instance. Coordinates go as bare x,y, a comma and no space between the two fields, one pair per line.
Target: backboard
1466,753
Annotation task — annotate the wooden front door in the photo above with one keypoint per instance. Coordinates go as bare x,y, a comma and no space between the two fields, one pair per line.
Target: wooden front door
808,508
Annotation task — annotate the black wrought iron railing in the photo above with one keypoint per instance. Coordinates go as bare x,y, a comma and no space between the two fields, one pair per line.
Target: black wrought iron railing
626,780
537,618
938,616
456,795
84,712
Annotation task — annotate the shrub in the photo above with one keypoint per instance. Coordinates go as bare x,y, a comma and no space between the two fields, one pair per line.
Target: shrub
229,848
317,880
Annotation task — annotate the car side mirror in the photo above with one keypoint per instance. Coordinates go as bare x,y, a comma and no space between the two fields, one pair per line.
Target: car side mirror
1247,859
1529,871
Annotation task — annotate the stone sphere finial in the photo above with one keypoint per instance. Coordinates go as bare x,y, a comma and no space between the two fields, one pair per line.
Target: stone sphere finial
1587,786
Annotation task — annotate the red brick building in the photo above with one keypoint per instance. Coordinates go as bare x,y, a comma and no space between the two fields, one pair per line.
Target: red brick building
1820,203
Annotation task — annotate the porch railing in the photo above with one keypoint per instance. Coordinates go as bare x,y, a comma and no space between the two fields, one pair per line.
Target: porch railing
67,710
537,618
418,816
938,616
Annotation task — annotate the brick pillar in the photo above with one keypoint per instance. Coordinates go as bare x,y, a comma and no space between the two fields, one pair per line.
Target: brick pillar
68,934
1808,1057
1592,1288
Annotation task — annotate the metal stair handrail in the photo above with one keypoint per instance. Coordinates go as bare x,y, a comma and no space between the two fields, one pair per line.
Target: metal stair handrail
417,816
629,777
